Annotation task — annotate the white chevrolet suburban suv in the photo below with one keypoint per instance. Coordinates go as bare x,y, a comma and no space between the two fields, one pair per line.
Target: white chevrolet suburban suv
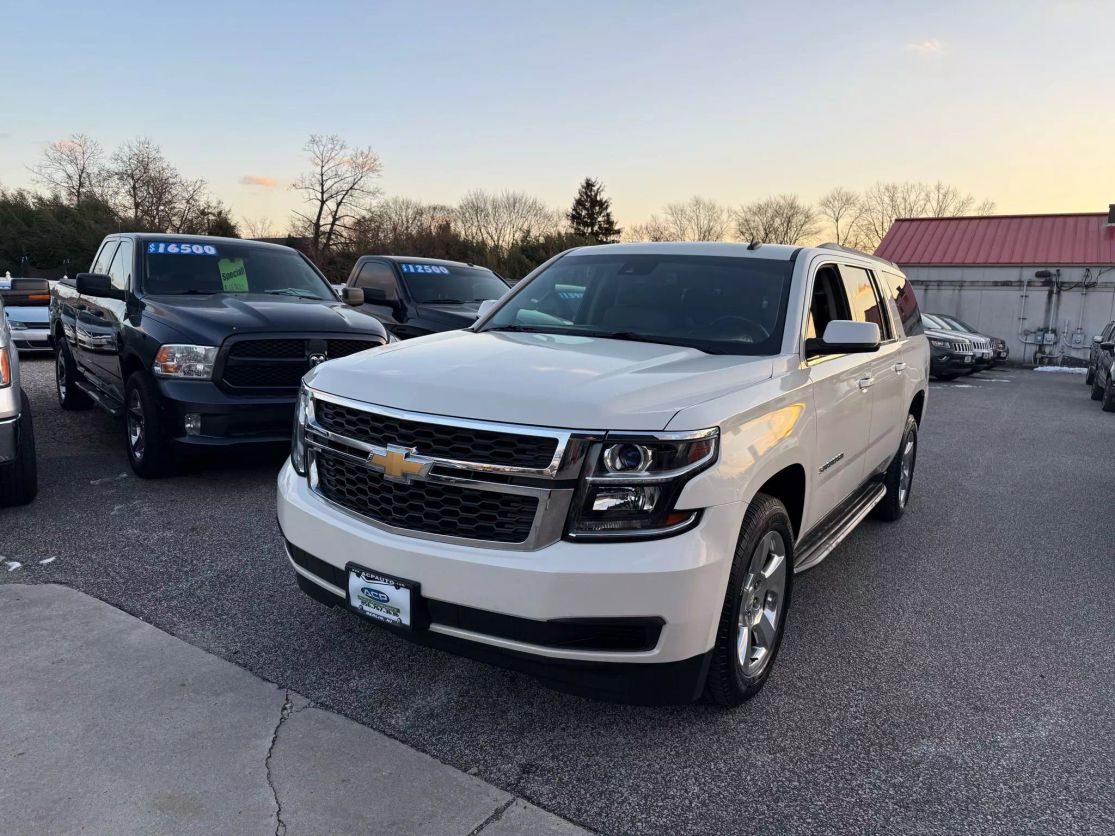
610,479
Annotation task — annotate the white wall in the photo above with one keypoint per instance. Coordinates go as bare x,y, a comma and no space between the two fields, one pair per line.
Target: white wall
991,300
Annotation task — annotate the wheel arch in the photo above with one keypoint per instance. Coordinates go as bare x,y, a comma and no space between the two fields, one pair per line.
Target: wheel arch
788,487
130,363
917,406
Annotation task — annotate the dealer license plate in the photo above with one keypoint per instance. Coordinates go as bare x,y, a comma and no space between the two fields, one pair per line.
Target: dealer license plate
378,597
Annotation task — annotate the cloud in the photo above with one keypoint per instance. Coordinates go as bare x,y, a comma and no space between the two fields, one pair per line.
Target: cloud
928,47
259,180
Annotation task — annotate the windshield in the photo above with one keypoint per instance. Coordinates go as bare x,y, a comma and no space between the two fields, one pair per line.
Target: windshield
720,305
185,267
956,323
933,322
450,283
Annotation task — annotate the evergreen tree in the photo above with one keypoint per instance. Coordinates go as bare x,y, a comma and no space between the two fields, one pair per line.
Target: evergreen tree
591,215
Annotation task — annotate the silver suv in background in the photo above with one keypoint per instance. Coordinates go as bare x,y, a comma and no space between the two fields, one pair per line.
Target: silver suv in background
18,477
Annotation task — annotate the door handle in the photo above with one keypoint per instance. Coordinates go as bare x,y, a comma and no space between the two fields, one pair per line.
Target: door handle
865,383
900,367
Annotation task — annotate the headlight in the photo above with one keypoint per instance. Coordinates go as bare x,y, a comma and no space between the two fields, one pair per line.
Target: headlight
194,361
634,482
939,343
5,368
302,414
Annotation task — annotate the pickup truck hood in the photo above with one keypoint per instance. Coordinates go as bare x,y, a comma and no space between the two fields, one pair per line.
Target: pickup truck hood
210,319
541,379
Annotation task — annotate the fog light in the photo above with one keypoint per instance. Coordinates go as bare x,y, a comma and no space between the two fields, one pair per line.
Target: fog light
193,423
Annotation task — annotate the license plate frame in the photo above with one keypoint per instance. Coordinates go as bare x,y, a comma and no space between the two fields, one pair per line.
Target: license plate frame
408,606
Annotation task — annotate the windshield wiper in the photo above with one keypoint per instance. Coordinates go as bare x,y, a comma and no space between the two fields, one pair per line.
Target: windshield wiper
532,329
443,302
293,291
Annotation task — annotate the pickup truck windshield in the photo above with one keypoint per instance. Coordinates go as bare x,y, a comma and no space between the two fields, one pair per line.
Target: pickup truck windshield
720,305
433,283
181,268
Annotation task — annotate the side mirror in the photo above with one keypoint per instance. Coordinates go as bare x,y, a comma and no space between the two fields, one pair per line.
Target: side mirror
352,296
378,296
844,336
486,308
98,285
1097,338
1107,346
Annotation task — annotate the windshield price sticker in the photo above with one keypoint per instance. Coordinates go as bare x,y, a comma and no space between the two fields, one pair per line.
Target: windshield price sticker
234,276
181,249
424,268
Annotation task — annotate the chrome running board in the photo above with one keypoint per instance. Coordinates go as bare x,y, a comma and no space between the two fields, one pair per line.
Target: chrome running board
831,531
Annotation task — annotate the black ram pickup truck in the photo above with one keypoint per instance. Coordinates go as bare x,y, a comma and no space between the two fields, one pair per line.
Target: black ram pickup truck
198,341
417,296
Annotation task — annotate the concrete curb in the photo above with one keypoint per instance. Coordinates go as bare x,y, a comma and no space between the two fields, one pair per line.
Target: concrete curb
108,724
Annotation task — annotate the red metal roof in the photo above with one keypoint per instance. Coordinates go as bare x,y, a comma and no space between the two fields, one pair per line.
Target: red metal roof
1083,239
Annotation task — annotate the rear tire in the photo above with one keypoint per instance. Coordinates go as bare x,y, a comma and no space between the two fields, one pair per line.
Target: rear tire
1090,377
149,452
1097,392
19,479
753,618
899,478
65,377
1108,402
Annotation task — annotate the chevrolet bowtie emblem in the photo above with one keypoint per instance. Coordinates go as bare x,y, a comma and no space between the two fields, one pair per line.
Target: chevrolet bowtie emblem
399,464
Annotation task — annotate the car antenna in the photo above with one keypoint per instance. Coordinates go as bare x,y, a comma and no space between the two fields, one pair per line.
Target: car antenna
754,245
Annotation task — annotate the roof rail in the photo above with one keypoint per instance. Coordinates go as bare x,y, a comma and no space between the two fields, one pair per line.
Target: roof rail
831,246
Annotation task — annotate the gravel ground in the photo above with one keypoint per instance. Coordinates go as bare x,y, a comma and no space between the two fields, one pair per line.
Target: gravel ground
949,673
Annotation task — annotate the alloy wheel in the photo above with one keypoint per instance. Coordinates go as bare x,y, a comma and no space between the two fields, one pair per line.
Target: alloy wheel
60,376
137,437
762,603
907,474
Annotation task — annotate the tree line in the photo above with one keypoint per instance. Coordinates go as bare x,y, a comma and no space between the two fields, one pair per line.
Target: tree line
85,193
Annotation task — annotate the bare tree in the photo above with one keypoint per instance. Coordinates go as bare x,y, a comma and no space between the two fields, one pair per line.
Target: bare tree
261,227
501,220
783,219
884,202
840,209
148,190
653,230
697,219
338,188
73,168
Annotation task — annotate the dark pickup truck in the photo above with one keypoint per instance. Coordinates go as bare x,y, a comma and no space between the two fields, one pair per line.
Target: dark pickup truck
416,296
197,340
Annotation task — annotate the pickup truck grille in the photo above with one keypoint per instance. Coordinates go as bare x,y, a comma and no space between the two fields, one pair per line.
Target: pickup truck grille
437,440
430,507
277,365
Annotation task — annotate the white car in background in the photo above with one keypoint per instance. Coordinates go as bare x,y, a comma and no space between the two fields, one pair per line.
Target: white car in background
27,311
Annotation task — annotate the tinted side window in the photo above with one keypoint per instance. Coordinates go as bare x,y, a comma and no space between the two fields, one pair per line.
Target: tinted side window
377,275
104,258
829,301
121,270
905,305
866,304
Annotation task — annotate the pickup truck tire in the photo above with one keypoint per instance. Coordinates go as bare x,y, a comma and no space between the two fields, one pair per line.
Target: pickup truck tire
1097,391
1090,377
899,476
149,451
753,617
19,479
65,373
1108,395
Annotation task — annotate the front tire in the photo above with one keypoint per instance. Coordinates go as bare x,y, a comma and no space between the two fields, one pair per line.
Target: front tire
19,479
1090,377
1108,402
899,478
149,452
753,618
65,377
1097,391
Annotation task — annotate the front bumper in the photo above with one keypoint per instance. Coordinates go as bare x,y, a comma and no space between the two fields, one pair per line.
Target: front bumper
225,419
31,339
9,439
943,361
678,582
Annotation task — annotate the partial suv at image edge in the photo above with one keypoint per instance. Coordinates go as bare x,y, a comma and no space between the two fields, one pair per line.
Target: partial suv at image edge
198,341
1101,368
613,495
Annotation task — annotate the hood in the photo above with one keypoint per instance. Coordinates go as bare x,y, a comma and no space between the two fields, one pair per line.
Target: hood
938,334
210,319
546,380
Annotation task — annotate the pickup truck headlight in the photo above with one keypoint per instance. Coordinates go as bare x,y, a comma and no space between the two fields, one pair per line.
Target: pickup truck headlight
634,482
194,361
298,443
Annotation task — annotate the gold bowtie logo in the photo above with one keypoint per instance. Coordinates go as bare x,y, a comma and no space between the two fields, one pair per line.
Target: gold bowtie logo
399,464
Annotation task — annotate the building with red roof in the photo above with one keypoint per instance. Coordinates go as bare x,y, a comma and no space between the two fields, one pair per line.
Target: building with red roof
1044,283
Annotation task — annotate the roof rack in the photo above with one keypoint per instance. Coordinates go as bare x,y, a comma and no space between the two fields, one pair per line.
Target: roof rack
840,247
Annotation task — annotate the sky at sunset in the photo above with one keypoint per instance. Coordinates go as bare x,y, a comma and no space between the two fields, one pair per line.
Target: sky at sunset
734,101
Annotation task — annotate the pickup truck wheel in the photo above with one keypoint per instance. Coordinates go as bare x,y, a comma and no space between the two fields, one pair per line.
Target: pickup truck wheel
753,618
65,373
148,450
899,477
1090,377
19,481
1097,391
1108,403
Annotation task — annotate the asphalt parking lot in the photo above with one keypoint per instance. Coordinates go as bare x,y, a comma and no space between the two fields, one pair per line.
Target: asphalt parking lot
952,672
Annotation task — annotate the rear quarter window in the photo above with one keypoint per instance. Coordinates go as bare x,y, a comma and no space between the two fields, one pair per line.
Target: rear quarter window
904,304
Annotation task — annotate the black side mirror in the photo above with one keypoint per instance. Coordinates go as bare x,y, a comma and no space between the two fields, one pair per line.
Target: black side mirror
352,296
1107,346
375,295
97,284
